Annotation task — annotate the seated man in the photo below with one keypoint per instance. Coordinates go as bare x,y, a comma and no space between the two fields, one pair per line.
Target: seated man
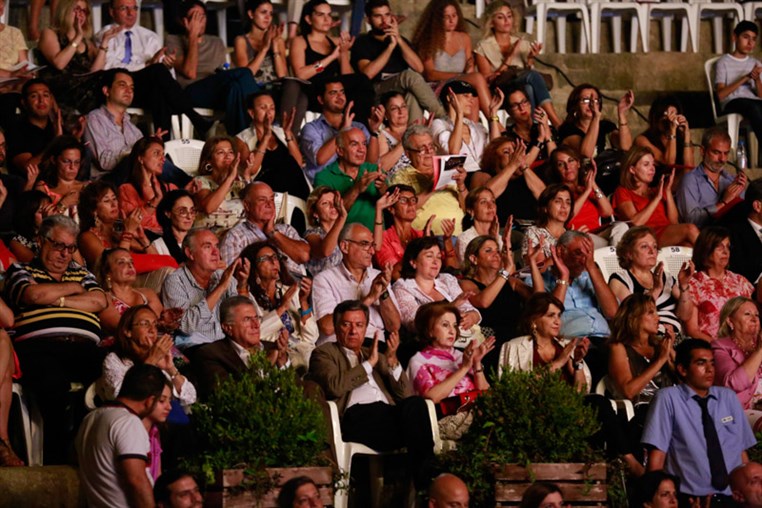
230,356
746,485
448,491
708,192
738,77
199,286
56,303
113,444
746,237
355,277
372,392
259,225
318,138
697,431
360,183
35,129
390,63
177,489
445,203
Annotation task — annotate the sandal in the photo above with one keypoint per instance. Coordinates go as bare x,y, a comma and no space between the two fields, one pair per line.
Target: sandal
7,457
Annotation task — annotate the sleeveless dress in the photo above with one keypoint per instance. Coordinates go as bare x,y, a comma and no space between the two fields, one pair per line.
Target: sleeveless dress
75,85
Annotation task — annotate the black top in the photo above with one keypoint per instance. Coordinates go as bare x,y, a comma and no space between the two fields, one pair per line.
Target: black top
503,315
367,47
281,172
311,56
27,138
606,127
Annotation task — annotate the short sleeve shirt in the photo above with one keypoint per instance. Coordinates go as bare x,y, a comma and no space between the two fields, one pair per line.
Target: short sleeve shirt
367,47
211,56
364,208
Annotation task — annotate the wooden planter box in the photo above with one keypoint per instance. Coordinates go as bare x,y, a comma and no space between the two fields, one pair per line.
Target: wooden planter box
581,484
228,491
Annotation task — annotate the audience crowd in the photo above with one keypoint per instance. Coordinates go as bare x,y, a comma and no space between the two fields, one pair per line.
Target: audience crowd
438,244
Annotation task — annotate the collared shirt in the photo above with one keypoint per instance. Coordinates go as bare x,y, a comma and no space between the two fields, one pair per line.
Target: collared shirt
245,354
199,324
369,392
410,297
333,286
582,315
391,250
314,135
109,142
145,44
697,197
757,228
674,426
364,208
246,232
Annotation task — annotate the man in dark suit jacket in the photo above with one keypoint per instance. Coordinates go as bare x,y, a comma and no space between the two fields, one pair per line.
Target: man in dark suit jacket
230,356
746,238
372,392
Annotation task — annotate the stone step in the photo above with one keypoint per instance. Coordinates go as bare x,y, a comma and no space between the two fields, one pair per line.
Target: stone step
40,487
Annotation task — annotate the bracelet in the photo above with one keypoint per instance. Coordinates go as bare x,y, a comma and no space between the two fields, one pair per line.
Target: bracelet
504,273
319,66
479,370
598,194
125,236
289,140
260,151
62,302
672,136
103,49
562,282
304,312
495,118
624,124
379,223
684,290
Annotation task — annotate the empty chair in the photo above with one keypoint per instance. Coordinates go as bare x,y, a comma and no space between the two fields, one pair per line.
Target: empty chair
606,259
667,11
636,12
673,258
185,154
543,10
717,12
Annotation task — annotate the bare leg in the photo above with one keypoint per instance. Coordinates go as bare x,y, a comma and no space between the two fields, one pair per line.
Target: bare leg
7,457
33,23
678,234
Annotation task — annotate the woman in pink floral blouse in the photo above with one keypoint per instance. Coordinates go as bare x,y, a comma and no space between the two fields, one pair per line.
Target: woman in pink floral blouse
713,284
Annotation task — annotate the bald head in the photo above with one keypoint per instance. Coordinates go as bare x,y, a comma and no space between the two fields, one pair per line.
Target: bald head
746,484
447,490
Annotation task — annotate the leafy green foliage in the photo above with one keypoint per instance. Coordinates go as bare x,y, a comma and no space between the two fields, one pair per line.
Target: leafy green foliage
261,419
525,417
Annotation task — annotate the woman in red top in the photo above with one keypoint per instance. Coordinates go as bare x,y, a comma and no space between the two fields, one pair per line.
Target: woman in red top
637,202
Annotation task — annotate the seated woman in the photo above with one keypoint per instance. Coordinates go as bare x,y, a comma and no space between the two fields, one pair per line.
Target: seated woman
738,355
175,213
283,304
316,56
262,49
138,340
32,207
668,135
637,254
445,48
9,370
657,489
326,215
640,363
507,60
71,58
497,294
515,185
143,190
15,50
199,63
530,125
396,119
636,201
542,495
390,244
457,134
592,211
586,131
439,370
712,285
553,211
217,197
481,211
59,177
100,225
421,282
275,155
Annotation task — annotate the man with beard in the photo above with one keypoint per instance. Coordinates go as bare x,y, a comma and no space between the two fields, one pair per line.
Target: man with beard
391,64
709,192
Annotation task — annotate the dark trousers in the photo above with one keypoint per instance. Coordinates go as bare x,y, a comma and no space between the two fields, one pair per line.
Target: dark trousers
718,501
386,427
49,366
751,110
228,90
158,92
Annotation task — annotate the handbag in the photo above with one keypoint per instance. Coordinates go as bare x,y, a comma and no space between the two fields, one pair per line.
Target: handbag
514,72
457,403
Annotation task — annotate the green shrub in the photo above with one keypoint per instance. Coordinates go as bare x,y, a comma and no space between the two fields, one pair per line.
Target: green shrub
258,420
525,417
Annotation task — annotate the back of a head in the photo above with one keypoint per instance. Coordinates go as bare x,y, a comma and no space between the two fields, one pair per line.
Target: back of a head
143,381
536,493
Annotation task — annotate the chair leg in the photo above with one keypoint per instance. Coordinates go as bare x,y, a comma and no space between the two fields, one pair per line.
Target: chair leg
616,31
666,32
717,22
222,25
561,34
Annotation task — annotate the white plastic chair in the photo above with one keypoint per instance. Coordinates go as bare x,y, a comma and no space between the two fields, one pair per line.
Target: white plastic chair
625,404
220,9
543,10
666,11
31,422
606,259
717,12
182,128
96,13
732,119
750,11
345,450
157,10
344,8
90,396
673,258
616,11
185,154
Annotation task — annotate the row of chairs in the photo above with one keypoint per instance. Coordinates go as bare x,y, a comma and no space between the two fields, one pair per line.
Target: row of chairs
591,14
672,257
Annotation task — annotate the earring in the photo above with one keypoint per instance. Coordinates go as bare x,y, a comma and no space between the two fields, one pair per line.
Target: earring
534,330
208,167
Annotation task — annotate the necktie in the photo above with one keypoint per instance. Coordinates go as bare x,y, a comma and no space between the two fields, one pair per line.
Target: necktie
127,47
713,449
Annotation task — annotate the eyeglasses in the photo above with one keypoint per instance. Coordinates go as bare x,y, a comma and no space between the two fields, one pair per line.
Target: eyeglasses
412,201
61,247
272,258
430,148
144,323
80,9
589,100
185,212
519,105
364,245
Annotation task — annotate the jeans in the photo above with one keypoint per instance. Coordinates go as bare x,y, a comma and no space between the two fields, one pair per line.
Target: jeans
228,89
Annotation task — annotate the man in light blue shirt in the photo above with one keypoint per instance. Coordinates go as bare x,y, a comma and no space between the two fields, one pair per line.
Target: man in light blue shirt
676,428
708,192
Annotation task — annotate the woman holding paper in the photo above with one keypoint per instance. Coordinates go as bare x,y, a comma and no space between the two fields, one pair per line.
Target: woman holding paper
13,49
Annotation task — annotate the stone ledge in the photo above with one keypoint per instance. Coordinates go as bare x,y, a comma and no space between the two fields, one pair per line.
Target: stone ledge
40,487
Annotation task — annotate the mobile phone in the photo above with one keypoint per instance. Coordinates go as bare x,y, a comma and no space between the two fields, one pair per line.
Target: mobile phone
119,226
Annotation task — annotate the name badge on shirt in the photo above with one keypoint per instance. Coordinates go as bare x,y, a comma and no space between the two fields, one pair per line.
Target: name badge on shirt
727,419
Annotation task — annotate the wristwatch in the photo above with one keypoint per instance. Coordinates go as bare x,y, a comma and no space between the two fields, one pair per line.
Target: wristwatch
503,273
